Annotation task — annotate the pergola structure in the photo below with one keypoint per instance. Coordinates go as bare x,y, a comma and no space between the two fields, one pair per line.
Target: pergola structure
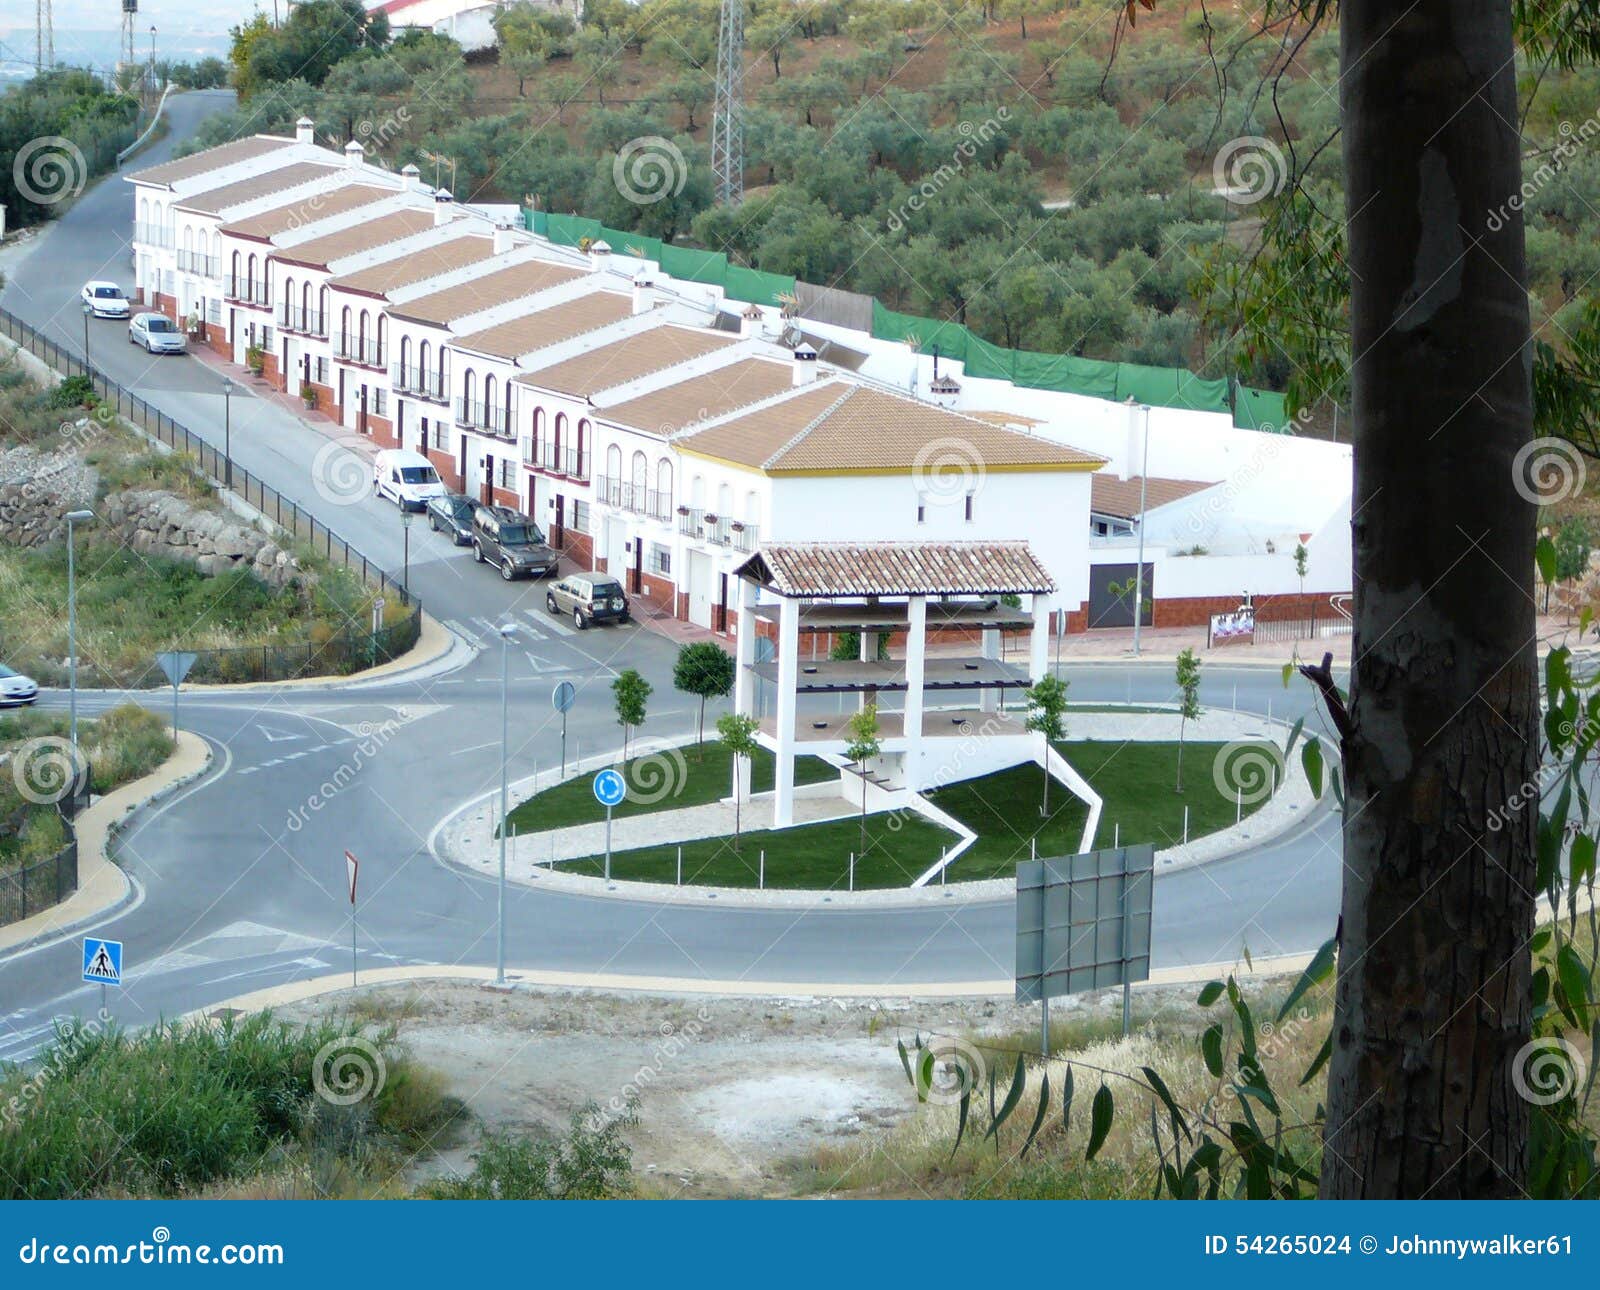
968,591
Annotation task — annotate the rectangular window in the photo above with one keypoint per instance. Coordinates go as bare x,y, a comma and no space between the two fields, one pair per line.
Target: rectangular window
508,473
661,560
440,441
969,508
321,377
922,510
580,517
380,402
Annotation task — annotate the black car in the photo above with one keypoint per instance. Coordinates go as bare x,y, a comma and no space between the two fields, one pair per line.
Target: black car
452,514
512,541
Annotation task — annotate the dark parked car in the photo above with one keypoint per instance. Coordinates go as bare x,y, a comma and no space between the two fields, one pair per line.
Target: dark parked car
589,598
452,514
512,541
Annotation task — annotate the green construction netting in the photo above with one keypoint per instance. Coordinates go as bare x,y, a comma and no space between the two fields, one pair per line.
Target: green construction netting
951,339
1066,373
1260,410
569,230
538,222
1170,387
756,287
694,266
988,361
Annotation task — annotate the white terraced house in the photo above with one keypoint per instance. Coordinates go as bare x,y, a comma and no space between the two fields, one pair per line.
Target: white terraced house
660,431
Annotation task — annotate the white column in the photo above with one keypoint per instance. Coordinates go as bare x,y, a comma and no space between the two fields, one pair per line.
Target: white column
1039,639
788,679
989,700
916,659
744,681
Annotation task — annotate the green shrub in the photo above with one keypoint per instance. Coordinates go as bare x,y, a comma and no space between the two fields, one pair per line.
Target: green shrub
592,1162
73,392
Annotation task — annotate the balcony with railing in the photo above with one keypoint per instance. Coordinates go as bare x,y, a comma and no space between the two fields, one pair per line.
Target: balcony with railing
247,291
149,234
364,351
718,530
422,382
570,463
636,500
303,322
209,266
477,415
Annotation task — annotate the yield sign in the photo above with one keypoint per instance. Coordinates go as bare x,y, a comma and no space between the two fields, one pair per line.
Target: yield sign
351,865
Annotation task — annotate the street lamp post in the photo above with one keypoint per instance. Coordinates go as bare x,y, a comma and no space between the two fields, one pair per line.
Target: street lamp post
227,432
405,568
73,518
508,633
1138,572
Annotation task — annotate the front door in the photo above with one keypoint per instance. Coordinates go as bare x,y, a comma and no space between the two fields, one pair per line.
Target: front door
488,480
559,533
638,566
700,589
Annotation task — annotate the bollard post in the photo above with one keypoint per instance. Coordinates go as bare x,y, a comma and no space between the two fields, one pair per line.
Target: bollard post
1186,826
852,871
1238,805
761,873
680,866
1116,835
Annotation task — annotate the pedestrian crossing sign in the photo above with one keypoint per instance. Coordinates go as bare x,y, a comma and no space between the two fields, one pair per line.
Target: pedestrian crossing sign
102,961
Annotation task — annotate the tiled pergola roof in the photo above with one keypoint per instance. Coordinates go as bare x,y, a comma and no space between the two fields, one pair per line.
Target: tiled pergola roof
826,570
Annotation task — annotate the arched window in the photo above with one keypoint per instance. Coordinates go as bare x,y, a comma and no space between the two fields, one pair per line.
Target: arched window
614,464
752,509
641,474
724,501
469,389
697,493
288,298
252,272
422,358
234,273
510,425
344,331
361,331
443,370
538,431
188,240
383,335
405,359
581,468
489,391
664,484
322,311
561,434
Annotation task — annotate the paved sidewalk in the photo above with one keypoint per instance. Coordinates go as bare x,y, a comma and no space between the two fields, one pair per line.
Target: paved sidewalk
261,388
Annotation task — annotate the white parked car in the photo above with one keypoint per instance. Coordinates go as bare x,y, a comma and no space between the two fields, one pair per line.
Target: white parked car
406,478
16,688
105,300
157,333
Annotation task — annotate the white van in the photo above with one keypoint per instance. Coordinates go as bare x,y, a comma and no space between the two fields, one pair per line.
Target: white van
406,478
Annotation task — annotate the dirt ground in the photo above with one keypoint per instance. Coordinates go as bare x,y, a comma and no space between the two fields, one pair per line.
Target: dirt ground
734,1096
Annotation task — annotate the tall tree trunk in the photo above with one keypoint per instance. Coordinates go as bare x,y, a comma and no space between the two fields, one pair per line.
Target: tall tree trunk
1433,988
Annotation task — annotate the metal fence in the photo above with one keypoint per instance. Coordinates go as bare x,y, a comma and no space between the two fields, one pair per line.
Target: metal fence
40,885
342,652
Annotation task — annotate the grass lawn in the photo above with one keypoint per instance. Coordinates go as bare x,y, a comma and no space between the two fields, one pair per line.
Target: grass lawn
704,775
815,857
1135,779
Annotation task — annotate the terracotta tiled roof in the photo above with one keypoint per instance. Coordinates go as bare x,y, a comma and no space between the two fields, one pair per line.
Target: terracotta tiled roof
627,360
835,569
700,398
549,326
517,281
308,210
224,154
838,426
1109,495
216,200
429,262
370,235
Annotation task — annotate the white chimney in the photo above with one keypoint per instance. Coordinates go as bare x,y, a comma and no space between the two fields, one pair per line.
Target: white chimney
443,206
410,178
305,131
644,293
944,390
805,364
502,238
600,255
750,321
354,153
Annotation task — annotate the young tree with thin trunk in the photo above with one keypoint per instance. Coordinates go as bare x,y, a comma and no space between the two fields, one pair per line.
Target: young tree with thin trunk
864,745
1047,714
738,735
1188,678
631,692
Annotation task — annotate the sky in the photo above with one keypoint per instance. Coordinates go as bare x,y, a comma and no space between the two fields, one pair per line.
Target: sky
88,31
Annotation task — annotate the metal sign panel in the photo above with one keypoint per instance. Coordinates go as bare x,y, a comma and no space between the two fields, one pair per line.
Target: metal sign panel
1083,921
609,788
563,696
175,665
102,961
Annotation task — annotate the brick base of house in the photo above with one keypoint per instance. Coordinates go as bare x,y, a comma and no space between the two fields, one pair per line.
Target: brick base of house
1196,611
445,464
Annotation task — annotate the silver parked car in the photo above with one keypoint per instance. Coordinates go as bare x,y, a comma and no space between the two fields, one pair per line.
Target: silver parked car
157,333
15,688
589,598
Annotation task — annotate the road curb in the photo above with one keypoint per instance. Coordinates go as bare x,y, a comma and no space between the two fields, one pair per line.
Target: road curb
104,889
536,979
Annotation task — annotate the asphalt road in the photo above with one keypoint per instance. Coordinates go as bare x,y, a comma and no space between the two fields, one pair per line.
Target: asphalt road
241,876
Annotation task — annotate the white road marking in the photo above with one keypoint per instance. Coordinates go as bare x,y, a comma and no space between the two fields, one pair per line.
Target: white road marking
276,736
461,630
